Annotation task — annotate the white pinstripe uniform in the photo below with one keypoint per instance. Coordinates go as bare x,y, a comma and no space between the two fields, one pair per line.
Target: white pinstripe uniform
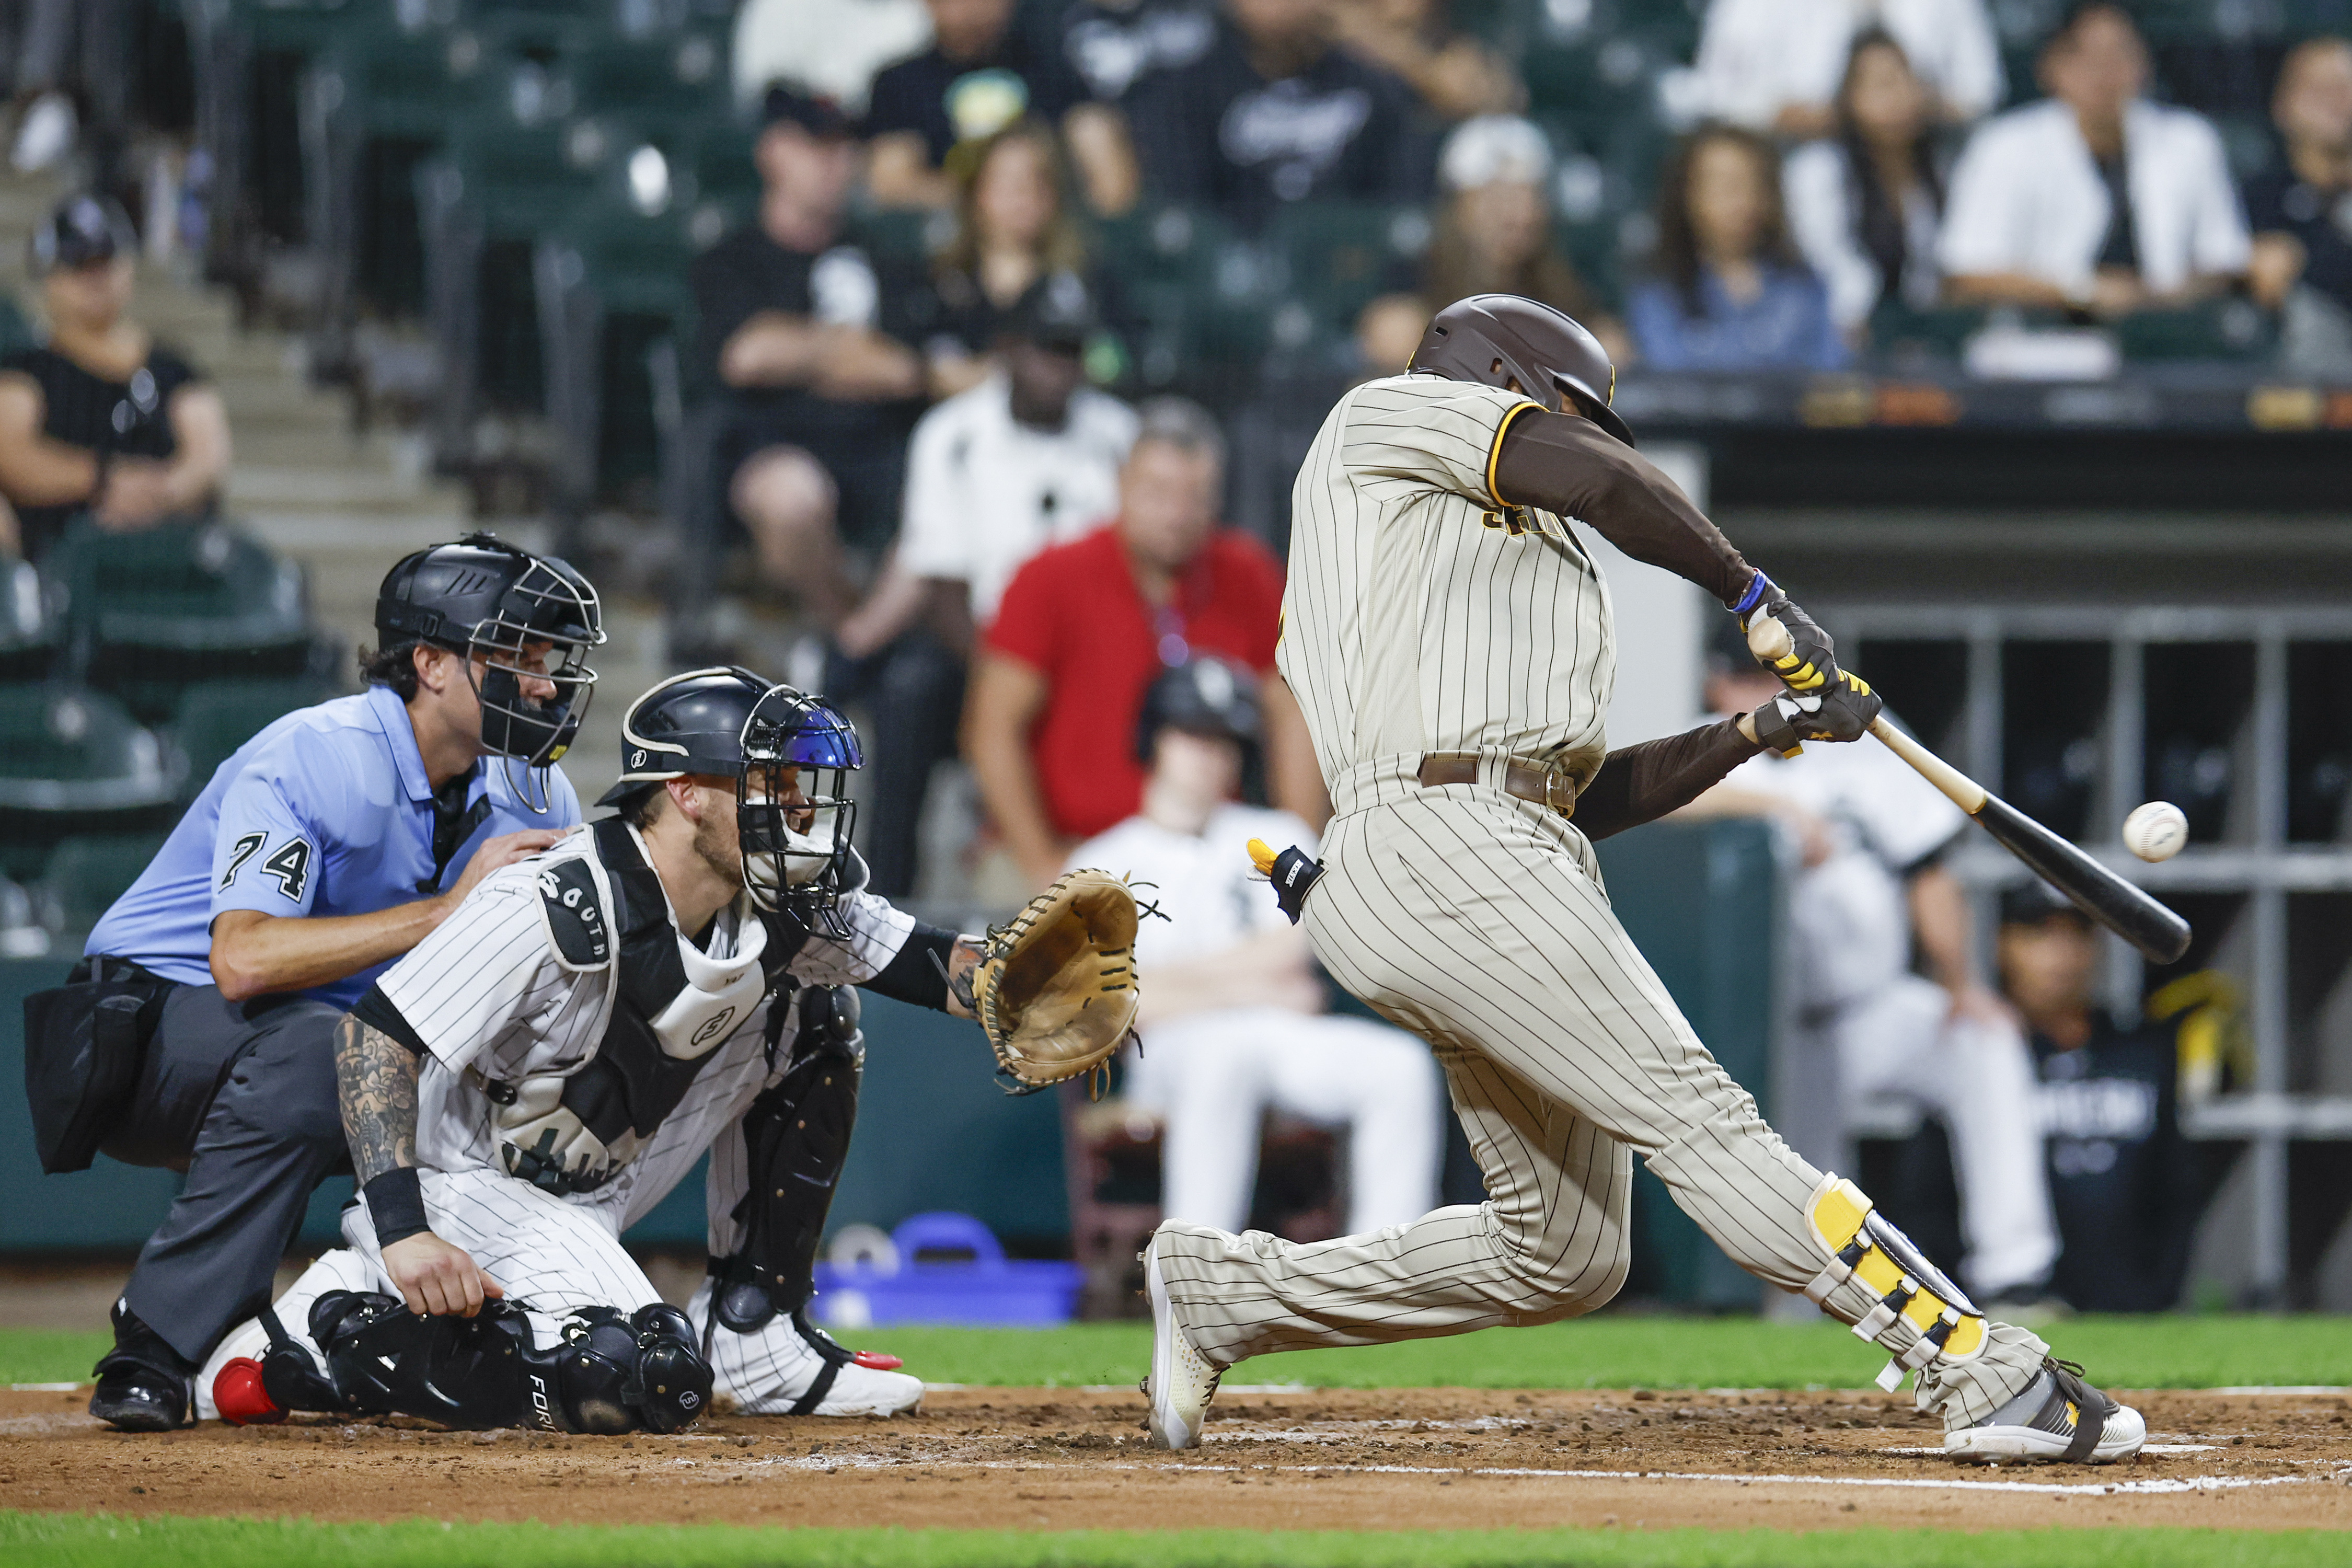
1423,616
494,1001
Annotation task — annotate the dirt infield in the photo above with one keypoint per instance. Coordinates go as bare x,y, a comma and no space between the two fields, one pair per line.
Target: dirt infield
1062,1459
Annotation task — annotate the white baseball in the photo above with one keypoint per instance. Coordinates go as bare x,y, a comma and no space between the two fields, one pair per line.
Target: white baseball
2156,831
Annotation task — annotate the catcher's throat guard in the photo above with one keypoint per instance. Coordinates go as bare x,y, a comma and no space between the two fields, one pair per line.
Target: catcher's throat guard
1864,1246
1055,989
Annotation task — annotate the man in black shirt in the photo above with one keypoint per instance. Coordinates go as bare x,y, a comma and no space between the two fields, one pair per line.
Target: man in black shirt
984,71
2300,208
798,331
101,420
2122,1178
1272,114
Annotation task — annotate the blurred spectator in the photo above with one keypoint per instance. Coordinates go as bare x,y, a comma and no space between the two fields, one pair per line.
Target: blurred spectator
1494,230
1865,207
1455,75
830,48
1869,832
102,419
986,68
2301,209
1272,114
1028,458
1085,629
1775,64
2125,1182
70,51
1011,232
1730,293
2094,197
1233,1021
1114,45
799,329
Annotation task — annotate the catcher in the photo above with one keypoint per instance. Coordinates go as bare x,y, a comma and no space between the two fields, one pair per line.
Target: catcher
674,979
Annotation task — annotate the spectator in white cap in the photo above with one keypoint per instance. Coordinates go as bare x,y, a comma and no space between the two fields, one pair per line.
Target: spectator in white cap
1493,235
1864,206
1774,65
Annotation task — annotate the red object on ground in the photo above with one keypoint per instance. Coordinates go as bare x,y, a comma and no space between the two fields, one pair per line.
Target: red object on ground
1074,615
877,1360
239,1394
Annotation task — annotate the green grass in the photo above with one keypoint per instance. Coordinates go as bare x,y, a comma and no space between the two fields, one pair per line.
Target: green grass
1607,1351
70,1540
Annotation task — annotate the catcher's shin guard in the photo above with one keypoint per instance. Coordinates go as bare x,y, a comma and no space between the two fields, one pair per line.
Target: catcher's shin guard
249,1393
611,1373
1918,1312
795,1141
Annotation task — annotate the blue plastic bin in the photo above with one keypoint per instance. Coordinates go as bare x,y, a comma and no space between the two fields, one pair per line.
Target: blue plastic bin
990,1289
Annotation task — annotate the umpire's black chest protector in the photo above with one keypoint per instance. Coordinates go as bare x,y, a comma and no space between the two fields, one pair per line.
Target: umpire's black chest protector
663,1028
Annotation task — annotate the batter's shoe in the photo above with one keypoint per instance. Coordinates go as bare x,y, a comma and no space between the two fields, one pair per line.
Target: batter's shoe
2059,1418
143,1384
1181,1381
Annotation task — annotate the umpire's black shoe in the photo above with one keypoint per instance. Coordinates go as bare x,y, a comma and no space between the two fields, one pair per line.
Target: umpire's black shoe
143,1384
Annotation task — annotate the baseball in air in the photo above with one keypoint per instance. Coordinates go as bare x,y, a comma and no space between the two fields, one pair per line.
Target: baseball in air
2156,831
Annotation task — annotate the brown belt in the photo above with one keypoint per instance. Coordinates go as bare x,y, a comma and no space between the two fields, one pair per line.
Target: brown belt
1547,787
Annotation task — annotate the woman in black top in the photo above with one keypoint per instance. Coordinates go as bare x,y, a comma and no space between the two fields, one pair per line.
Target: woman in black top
1013,228
99,419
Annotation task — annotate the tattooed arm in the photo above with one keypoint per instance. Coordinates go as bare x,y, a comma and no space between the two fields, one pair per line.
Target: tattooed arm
375,1078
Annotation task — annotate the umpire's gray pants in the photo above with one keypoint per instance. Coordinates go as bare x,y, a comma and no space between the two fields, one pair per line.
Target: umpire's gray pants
1479,923
241,1099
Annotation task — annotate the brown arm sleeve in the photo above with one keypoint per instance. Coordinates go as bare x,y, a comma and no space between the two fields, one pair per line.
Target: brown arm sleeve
1569,465
1643,782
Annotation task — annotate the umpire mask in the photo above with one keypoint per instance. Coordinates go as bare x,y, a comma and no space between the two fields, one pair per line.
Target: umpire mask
792,814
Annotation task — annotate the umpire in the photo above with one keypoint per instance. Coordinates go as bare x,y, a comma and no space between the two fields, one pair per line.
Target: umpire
197,1032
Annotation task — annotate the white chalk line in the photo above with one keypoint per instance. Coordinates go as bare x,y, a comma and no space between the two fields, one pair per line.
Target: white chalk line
2168,1486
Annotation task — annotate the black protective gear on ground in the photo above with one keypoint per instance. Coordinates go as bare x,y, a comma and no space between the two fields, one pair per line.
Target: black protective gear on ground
612,1373
1496,339
795,1142
1205,695
290,1375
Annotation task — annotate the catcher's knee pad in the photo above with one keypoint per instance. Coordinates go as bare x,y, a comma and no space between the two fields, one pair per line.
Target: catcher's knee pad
610,1374
795,1142
1918,1312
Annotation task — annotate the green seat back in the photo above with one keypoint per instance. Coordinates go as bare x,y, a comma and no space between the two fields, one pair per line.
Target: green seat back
85,875
216,718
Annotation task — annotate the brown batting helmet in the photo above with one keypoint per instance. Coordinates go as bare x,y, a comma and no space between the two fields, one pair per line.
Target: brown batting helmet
1494,339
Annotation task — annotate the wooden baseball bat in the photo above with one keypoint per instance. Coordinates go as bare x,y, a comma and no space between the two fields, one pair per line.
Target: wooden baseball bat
2098,892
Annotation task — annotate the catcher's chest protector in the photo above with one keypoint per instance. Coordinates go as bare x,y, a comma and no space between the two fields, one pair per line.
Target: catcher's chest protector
673,1006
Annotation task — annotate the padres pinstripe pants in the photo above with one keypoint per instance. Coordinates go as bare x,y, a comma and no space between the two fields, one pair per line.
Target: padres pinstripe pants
1479,923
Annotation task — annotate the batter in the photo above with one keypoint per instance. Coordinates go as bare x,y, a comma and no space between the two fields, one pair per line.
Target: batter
1450,642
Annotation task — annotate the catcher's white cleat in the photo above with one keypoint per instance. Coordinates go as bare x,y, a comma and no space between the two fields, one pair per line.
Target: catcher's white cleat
1181,1381
2058,1417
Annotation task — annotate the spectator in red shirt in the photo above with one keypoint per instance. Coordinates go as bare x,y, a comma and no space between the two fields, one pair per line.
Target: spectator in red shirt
1084,629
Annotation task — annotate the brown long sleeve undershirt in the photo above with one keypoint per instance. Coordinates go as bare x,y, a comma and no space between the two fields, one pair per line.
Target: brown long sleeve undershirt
1641,784
1570,466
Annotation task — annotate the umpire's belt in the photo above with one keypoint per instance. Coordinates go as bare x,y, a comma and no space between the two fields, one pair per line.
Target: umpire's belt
1548,787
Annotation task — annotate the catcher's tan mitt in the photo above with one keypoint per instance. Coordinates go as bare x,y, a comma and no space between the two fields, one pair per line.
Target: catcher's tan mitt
1055,988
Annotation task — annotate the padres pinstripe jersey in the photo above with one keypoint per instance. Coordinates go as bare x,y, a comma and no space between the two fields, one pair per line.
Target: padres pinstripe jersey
1421,614
492,990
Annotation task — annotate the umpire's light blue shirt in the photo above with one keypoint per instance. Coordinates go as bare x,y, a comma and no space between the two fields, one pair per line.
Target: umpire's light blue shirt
327,812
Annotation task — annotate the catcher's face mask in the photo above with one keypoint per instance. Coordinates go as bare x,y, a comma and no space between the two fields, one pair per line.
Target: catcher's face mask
529,667
792,810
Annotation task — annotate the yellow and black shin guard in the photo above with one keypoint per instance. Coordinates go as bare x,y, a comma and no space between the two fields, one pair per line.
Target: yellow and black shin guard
1868,1250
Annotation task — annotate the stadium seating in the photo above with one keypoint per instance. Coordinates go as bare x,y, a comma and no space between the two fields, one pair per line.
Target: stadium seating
214,718
74,762
88,873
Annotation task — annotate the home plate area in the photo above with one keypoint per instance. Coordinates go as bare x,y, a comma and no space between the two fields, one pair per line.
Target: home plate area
1274,1459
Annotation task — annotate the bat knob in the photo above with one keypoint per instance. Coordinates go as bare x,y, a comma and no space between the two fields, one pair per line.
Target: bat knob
1767,640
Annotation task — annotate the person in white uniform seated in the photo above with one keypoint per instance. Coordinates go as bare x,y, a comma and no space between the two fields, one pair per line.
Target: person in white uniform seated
1234,1022
1869,835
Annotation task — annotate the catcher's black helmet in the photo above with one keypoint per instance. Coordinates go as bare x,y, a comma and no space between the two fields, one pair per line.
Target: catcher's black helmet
1205,695
1495,339
727,721
482,596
